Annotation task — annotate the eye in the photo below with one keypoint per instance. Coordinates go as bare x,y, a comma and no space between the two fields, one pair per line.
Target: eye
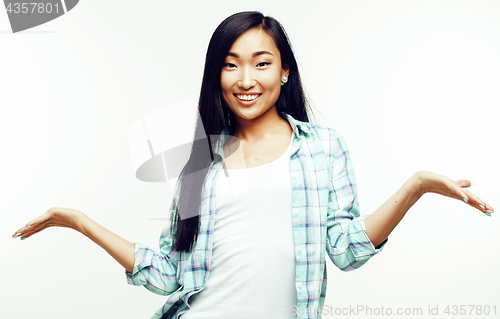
229,65
263,64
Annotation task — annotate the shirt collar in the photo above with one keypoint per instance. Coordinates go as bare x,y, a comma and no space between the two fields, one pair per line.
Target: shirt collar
297,127
295,124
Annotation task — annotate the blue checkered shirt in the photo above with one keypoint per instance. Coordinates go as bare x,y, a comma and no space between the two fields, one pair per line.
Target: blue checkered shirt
325,216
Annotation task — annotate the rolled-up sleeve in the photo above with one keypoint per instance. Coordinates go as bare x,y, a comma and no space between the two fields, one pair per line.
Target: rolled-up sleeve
155,271
348,244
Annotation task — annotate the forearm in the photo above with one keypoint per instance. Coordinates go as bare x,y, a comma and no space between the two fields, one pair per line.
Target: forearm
120,249
381,222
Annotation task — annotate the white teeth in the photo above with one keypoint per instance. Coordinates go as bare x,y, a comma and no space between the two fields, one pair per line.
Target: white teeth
247,97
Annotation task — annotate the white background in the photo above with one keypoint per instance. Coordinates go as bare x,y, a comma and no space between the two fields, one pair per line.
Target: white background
412,85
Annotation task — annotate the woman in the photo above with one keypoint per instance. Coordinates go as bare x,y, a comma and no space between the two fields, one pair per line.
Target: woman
283,191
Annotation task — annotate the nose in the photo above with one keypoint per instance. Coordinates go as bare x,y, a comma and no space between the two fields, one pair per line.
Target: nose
247,80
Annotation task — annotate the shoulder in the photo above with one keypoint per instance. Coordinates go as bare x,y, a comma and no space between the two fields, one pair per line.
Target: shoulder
330,139
315,132
320,131
312,130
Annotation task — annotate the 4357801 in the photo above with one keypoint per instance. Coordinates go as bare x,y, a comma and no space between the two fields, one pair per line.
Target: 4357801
32,7
470,310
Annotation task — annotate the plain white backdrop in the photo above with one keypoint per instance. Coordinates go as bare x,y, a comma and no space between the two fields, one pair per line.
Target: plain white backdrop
412,85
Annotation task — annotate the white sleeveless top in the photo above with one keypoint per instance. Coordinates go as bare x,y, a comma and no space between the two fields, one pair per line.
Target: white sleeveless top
252,274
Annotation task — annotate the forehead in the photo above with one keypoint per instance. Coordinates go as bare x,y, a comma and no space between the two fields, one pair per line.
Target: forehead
254,40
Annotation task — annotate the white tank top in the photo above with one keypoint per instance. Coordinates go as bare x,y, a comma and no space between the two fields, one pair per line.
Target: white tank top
252,271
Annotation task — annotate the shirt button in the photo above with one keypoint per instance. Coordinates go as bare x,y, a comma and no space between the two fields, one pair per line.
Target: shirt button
299,285
299,249
295,211
293,175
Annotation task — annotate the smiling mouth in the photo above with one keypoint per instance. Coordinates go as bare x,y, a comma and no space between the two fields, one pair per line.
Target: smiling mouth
247,97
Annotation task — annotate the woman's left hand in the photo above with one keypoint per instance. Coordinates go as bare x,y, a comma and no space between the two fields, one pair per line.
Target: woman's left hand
434,183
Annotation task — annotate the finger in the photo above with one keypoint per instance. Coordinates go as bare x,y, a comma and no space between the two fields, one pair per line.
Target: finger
21,231
31,226
34,223
476,202
42,218
34,230
463,183
452,190
26,228
457,189
489,209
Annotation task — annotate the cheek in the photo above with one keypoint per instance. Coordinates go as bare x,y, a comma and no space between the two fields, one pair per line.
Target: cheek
226,83
268,82
226,87
272,80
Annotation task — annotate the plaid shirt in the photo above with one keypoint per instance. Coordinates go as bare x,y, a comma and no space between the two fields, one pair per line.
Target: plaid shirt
325,215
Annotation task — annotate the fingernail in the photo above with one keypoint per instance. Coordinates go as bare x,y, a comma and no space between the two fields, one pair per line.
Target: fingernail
488,214
482,207
16,235
489,211
465,200
23,238
30,225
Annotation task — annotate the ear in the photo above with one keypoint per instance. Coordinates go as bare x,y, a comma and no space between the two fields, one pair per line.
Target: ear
285,70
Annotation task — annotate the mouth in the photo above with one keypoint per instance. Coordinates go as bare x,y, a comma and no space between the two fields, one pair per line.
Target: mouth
247,97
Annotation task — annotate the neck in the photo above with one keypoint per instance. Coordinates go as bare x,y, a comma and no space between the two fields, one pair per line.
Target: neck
256,129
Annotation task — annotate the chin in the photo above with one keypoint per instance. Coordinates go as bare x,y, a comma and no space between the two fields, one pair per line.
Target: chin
248,116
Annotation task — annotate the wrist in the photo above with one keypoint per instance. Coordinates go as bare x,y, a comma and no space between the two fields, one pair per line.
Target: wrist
81,222
416,184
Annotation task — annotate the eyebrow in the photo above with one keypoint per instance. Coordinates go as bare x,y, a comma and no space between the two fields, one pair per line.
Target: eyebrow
253,55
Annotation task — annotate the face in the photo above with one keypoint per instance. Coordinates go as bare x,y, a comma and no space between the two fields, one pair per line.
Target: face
252,74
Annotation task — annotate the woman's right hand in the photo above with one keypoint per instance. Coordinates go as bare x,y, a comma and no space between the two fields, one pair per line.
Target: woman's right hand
56,216
119,248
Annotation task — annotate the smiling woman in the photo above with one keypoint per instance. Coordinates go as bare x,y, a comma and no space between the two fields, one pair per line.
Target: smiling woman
251,82
255,216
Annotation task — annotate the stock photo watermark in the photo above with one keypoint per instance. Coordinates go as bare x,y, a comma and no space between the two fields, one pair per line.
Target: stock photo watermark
430,310
25,15
160,153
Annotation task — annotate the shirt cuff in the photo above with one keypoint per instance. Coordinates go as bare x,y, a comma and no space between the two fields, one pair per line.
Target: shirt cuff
361,246
142,259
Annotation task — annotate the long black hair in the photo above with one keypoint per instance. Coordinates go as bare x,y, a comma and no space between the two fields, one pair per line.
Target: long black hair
215,115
